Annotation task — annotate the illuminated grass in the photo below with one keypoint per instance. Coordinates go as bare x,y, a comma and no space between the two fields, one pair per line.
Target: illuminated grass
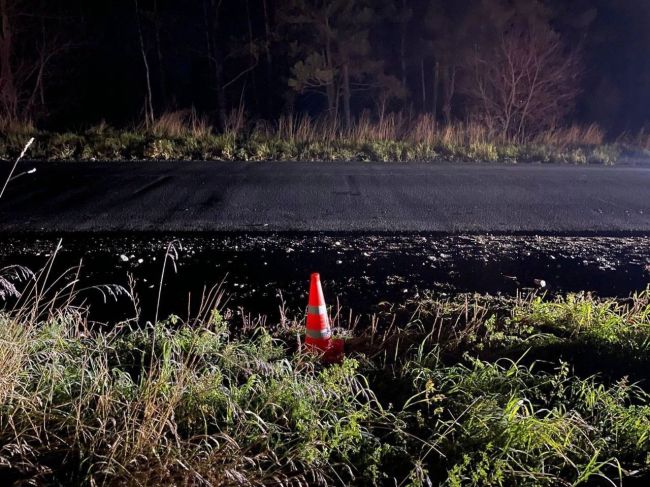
183,135
428,401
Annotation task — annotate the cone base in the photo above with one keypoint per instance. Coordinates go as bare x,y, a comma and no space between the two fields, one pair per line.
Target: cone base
332,352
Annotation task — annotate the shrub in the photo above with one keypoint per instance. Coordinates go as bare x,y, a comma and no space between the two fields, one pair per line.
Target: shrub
504,424
65,146
164,149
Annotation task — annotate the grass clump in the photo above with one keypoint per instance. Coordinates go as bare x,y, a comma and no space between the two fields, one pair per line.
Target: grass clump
393,137
434,399
170,402
507,424
581,317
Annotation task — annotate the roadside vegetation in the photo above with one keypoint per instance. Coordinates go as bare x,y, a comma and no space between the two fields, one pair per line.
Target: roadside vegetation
394,137
384,81
472,391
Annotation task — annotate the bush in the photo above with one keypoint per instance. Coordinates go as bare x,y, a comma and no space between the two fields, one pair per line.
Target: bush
505,424
164,149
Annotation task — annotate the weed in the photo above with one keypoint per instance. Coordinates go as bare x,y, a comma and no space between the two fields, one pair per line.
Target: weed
164,149
429,401
392,137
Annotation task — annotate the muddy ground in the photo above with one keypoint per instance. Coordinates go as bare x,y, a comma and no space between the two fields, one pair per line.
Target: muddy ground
263,272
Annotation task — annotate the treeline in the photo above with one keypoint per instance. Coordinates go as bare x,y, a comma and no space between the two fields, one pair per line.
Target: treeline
517,67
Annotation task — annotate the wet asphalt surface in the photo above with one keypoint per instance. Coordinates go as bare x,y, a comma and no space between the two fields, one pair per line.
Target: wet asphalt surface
326,197
264,271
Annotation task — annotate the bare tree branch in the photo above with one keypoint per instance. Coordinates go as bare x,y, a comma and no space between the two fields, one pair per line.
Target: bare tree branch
525,84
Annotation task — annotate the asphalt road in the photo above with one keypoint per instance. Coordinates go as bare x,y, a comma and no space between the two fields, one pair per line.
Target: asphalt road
289,196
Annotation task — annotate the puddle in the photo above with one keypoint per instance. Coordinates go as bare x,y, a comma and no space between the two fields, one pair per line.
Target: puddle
358,271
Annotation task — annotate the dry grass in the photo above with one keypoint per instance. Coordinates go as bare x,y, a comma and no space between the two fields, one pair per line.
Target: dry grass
574,135
397,126
640,140
392,137
421,129
301,128
643,139
181,123
19,127
235,122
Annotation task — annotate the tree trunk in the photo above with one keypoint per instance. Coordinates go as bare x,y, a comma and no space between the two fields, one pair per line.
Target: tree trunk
221,92
436,84
331,88
148,103
251,52
8,94
402,45
449,90
332,96
215,59
424,85
269,61
161,63
346,95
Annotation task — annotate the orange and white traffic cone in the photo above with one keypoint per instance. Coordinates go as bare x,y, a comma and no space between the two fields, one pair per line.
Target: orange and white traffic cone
319,335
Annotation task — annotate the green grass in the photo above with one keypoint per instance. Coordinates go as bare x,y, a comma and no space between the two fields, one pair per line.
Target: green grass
178,135
452,393
139,146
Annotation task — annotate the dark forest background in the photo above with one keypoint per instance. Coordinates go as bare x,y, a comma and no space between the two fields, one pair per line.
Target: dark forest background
68,64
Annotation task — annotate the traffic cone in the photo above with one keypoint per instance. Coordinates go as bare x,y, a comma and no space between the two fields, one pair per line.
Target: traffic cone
318,336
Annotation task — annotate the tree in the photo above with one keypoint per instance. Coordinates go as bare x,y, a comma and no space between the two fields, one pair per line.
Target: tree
212,16
525,83
162,78
334,56
26,52
448,39
148,101
268,57
8,90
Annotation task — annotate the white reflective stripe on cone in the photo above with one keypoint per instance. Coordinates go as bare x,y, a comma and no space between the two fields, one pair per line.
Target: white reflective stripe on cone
317,310
319,335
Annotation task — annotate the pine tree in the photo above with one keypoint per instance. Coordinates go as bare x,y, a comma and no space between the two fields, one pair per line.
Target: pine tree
333,55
